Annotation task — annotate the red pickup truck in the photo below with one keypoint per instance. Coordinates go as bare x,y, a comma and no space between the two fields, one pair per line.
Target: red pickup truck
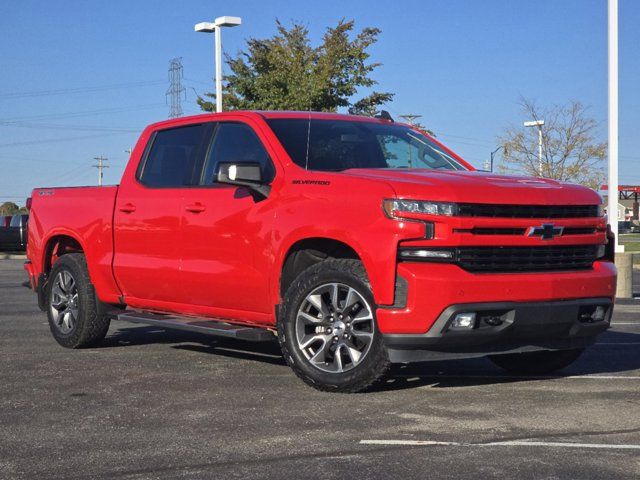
358,242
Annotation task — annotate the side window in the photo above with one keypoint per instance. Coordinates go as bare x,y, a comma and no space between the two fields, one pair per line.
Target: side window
172,156
236,143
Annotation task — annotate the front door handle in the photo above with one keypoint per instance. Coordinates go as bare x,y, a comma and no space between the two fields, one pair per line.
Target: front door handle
195,207
128,208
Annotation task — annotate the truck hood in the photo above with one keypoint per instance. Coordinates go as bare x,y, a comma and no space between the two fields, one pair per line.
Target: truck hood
479,187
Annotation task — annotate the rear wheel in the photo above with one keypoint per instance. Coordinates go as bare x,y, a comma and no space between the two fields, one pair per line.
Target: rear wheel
327,328
536,363
72,305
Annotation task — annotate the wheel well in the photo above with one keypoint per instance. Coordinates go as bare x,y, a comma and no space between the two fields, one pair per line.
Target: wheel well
310,251
58,246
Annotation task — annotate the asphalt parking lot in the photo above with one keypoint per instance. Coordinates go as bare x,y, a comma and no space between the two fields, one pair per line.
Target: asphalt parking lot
151,403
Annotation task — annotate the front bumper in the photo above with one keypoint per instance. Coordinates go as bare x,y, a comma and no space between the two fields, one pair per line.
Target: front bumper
430,288
512,327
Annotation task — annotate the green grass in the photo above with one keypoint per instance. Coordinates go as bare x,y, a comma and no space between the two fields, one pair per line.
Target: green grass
631,242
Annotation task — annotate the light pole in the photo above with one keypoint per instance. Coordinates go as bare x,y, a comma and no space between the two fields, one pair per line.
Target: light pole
215,27
612,203
539,124
490,169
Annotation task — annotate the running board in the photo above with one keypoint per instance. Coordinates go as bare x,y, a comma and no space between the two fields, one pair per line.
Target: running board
199,324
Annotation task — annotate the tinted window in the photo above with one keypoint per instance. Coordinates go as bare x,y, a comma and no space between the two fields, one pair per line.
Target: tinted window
172,157
236,143
335,145
18,220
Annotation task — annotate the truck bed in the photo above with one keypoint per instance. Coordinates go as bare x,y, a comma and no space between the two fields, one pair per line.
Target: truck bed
85,213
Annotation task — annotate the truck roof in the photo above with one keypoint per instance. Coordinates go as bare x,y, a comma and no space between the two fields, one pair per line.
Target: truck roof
268,114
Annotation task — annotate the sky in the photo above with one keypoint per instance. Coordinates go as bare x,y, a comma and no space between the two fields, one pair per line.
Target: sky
82,78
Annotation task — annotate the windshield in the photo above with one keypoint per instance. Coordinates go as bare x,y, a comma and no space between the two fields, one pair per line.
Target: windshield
335,145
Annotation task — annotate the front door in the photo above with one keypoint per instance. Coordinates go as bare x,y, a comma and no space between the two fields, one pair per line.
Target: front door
226,254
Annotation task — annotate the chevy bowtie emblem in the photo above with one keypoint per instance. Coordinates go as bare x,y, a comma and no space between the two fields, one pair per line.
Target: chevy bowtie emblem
546,231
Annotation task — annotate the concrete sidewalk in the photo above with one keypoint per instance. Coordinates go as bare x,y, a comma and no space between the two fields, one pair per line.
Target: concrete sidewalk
13,256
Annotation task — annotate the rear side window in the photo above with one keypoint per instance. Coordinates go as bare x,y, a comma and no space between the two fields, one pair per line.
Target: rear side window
236,143
172,156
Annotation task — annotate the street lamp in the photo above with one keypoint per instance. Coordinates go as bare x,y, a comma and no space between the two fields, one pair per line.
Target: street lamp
612,151
539,124
490,166
215,28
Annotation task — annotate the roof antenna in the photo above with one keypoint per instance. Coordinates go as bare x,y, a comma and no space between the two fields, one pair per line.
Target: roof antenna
306,160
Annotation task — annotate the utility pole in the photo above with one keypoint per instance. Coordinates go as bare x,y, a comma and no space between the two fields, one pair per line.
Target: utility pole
100,166
176,90
410,118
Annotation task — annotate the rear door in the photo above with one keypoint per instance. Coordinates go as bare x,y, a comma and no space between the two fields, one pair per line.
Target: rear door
226,250
148,214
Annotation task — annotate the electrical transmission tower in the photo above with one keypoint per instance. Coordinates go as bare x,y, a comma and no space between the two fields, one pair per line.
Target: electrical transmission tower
100,166
176,90
410,118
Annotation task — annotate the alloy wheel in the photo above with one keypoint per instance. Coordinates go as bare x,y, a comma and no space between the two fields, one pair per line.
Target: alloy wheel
334,327
64,302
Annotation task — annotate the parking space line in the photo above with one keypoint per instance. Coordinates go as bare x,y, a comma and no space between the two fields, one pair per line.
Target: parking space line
407,442
510,443
525,377
525,443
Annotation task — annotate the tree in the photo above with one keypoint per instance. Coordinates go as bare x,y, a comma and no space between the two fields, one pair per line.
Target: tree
285,72
9,208
570,151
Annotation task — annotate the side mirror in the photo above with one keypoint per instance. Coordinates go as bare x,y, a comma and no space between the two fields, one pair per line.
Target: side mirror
245,175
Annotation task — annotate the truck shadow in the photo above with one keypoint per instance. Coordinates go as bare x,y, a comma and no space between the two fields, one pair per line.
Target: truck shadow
614,353
265,352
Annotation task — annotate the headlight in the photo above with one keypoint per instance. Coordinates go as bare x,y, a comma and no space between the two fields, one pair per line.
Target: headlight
601,210
395,208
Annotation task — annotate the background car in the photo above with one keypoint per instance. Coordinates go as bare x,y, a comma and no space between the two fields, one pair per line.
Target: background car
625,227
14,237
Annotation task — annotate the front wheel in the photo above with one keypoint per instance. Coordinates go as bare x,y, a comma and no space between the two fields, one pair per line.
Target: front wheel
327,328
536,363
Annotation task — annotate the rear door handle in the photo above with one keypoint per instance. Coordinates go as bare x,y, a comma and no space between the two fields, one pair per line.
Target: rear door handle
128,208
195,207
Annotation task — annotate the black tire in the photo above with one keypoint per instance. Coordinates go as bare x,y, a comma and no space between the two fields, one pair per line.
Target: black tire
88,327
373,364
536,363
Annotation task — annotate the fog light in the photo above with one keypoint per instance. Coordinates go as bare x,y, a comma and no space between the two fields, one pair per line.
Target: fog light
599,314
464,321
492,320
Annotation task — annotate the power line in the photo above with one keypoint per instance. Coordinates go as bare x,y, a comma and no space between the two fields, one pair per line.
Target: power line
209,84
100,166
55,140
53,126
67,91
176,90
83,113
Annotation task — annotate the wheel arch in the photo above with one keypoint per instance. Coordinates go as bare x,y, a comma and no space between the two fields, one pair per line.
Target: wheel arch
307,252
59,244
